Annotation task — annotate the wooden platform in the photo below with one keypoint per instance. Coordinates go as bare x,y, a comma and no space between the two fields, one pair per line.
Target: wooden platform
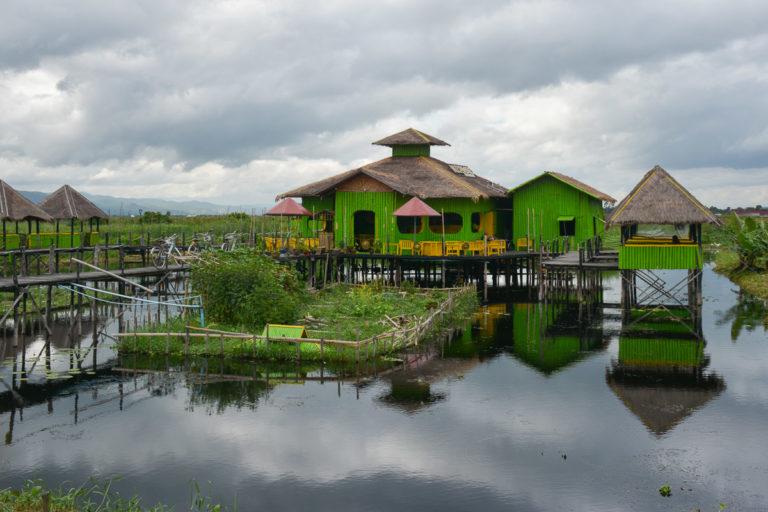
606,260
7,283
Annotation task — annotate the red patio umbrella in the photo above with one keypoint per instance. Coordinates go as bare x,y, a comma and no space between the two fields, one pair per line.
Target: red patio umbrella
415,207
287,207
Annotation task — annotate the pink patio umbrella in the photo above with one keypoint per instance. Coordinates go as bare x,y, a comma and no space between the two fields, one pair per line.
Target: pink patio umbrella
287,207
415,207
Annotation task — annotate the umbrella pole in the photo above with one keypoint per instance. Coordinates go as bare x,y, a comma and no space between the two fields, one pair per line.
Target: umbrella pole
442,217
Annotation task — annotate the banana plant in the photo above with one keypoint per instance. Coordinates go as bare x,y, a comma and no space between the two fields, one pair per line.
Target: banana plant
751,239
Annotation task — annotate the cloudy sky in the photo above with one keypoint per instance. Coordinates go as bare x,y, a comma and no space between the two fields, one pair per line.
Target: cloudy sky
237,101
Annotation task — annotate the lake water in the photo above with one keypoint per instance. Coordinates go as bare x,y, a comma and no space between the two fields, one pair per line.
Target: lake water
522,411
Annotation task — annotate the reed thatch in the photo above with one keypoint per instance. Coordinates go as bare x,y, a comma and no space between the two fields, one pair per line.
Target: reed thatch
659,199
67,203
14,206
420,176
410,137
662,400
572,182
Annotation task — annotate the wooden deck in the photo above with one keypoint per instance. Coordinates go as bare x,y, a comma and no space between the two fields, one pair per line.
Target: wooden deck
606,260
8,284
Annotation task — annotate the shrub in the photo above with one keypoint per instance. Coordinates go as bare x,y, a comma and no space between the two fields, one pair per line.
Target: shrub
249,289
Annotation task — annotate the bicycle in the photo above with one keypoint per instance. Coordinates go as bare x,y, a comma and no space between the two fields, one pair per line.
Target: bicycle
201,242
230,240
163,251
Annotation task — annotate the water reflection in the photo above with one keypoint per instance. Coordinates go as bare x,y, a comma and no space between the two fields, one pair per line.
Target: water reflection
661,370
748,313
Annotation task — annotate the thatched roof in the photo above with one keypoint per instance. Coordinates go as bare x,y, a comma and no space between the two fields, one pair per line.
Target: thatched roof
659,199
420,176
14,206
602,196
68,203
410,137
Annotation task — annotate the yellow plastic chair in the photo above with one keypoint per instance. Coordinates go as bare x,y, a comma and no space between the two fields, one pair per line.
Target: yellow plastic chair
431,248
453,248
476,247
405,245
497,246
524,244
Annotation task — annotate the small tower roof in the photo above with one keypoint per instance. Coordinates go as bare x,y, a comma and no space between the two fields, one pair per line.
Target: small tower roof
410,137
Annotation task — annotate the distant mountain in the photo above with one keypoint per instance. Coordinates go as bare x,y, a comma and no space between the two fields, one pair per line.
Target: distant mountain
115,206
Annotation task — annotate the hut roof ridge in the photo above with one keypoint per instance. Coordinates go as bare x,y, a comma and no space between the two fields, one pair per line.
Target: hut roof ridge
410,136
422,176
67,203
569,181
14,206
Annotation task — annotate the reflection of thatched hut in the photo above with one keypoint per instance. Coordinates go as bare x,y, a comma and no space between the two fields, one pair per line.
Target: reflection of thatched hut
659,199
16,207
662,399
661,379
66,203
363,199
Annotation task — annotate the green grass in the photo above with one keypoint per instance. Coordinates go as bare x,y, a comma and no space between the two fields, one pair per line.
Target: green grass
90,497
340,310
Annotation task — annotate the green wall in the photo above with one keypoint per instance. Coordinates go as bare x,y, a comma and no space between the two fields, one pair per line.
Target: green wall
550,198
345,204
660,256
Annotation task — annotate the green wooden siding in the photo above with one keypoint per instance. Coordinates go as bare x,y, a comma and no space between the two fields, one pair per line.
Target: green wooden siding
306,226
345,204
655,256
411,150
548,198
660,352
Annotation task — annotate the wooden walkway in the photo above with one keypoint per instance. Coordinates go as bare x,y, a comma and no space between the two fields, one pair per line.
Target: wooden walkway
8,283
605,260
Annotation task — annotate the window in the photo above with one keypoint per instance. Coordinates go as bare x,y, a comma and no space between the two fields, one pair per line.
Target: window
405,225
476,222
453,223
567,225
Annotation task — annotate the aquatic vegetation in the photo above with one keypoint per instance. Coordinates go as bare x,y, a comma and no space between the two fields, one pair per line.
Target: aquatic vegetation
247,289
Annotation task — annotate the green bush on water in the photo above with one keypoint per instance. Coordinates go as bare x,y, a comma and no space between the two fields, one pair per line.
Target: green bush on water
247,289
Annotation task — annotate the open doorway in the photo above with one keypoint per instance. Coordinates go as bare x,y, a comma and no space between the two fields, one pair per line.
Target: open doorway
364,222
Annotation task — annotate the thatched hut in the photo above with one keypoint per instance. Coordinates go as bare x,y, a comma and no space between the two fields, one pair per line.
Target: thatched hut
553,205
658,199
15,207
361,201
66,203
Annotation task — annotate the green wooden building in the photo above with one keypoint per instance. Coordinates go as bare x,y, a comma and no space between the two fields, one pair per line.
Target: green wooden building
553,205
355,207
659,201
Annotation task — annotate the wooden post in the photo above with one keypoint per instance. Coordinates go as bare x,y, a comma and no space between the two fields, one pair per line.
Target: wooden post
266,341
322,348
186,342
357,346
221,345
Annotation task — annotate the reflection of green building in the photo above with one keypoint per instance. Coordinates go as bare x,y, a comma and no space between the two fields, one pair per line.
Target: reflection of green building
659,374
548,339
356,206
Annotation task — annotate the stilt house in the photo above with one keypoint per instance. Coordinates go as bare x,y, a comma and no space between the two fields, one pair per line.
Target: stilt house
355,207
659,200
554,205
